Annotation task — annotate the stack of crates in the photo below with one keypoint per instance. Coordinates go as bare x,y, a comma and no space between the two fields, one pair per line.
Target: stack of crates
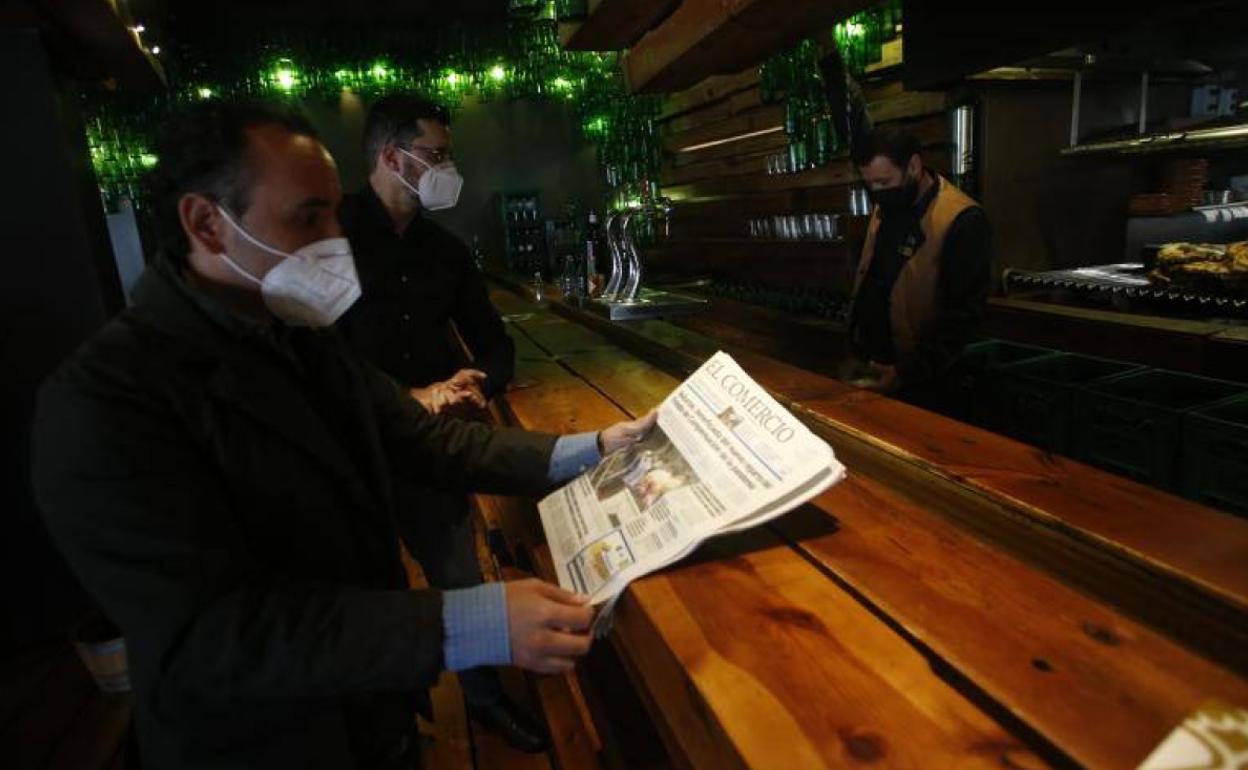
1134,424
975,379
1035,402
1173,431
1215,455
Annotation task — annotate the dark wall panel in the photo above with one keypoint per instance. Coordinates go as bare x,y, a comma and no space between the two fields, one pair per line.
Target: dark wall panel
59,285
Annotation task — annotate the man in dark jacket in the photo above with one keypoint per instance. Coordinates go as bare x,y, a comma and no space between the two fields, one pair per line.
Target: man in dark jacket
418,280
218,467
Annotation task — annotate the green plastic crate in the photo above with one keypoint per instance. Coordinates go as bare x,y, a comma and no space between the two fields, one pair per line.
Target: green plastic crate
1215,455
974,378
1132,424
1035,401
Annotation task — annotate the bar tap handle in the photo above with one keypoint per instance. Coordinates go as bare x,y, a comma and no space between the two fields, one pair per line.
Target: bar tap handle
617,259
658,214
632,282
625,259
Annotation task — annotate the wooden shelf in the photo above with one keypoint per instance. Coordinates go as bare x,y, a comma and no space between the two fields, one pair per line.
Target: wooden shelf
612,25
709,91
839,172
1197,347
782,264
1203,139
711,37
728,218
760,117
907,105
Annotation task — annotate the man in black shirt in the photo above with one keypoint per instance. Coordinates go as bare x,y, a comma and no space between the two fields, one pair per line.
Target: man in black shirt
924,275
417,276
418,279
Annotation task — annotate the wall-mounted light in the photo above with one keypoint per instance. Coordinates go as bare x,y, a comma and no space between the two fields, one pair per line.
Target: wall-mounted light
735,138
284,75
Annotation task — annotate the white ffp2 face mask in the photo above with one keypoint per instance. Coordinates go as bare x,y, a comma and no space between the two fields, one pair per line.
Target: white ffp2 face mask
313,286
439,186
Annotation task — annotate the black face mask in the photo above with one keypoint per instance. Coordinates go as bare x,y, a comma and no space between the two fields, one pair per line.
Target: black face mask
896,200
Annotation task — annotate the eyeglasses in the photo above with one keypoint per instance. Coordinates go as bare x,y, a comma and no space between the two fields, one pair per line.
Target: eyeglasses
435,154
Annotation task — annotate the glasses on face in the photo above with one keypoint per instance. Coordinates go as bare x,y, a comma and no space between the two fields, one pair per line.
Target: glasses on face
434,155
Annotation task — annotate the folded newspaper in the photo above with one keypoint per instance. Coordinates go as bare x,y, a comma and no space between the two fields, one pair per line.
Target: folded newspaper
723,457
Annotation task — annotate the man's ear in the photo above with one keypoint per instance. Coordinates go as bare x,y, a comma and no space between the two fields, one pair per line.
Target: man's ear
389,158
915,168
202,222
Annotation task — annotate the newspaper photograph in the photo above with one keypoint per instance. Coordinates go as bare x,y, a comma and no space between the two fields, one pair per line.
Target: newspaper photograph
723,456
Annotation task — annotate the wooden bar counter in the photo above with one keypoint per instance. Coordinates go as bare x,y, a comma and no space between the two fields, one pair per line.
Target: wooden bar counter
959,601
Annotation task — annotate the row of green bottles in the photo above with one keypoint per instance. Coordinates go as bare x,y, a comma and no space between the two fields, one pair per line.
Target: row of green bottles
795,77
629,147
861,37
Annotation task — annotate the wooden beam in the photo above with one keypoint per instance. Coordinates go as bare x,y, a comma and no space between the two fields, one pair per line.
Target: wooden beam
612,25
716,111
839,172
708,91
911,104
92,41
711,37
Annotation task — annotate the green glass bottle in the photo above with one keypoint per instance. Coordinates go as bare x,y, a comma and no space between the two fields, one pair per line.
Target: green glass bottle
823,140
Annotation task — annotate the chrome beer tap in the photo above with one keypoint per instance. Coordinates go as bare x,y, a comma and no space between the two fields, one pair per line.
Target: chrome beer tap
660,212
631,284
617,259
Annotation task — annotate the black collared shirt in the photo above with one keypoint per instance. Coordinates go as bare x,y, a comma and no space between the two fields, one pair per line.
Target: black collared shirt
414,286
961,293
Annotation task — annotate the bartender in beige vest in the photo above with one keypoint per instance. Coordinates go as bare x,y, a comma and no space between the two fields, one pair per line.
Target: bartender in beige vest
922,282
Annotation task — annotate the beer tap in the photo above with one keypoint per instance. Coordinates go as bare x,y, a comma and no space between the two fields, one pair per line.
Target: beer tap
624,298
660,211
617,259
631,284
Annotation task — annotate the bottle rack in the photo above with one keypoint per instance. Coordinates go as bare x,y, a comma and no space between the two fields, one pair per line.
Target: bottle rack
525,248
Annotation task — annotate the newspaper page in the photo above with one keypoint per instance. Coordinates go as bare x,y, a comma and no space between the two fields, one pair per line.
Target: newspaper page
722,456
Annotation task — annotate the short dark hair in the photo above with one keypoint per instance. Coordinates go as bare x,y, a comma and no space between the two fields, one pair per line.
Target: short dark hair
396,119
204,150
895,144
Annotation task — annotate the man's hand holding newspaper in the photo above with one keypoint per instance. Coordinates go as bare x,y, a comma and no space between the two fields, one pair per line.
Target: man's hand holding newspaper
718,455
624,434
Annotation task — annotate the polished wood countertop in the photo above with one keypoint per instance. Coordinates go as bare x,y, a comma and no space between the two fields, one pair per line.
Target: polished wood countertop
960,600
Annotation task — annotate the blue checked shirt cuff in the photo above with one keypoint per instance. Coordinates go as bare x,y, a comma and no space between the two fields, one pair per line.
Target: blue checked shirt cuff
475,625
574,454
